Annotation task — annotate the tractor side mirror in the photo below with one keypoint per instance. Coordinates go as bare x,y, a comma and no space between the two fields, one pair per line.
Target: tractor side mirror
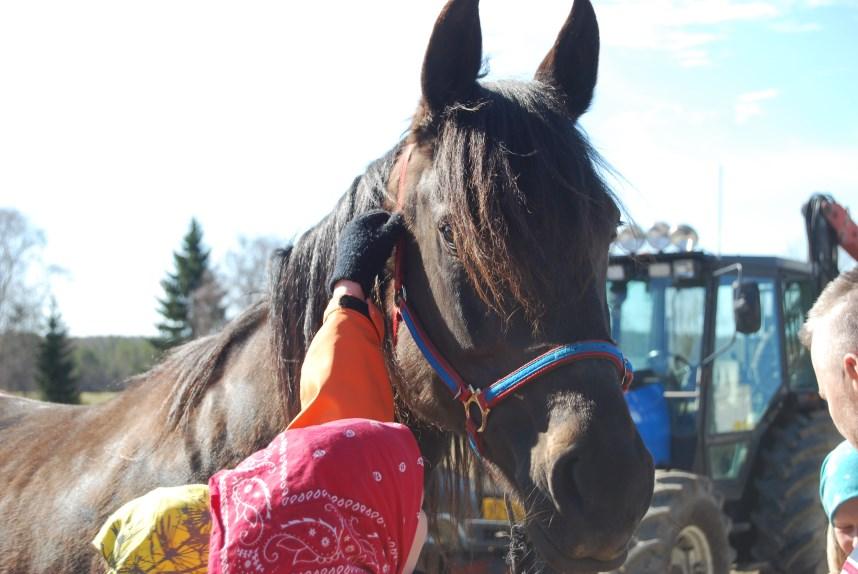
746,307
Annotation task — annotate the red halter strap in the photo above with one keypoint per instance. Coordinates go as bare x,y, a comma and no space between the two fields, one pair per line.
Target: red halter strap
399,256
478,403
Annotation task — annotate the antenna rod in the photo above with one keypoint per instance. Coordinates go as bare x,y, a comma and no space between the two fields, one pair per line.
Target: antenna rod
720,204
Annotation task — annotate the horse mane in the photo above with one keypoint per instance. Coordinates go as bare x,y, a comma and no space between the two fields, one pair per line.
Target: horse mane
500,162
299,283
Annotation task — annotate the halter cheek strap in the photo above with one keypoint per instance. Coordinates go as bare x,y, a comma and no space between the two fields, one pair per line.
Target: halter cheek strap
478,403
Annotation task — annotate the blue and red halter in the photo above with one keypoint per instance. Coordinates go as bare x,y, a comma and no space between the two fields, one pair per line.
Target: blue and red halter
478,403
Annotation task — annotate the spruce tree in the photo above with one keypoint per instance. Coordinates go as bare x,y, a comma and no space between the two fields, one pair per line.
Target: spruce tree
191,273
55,375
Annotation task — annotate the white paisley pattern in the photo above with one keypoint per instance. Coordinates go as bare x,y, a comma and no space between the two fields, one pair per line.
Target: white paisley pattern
312,540
259,459
246,495
305,542
321,531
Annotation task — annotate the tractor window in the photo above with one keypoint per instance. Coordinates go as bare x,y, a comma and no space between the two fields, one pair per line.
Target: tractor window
726,461
659,326
798,298
748,374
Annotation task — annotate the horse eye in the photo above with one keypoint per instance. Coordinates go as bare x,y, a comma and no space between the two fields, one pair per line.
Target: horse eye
447,235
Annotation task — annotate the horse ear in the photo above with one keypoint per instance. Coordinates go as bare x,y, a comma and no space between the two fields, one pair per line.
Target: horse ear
572,64
454,56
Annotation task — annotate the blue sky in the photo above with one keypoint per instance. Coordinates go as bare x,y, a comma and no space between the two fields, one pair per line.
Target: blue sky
120,121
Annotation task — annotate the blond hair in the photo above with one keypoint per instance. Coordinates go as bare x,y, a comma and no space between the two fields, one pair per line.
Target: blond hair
836,555
840,297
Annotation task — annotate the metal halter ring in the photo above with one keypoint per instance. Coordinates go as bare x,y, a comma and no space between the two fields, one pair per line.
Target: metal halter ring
400,295
474,399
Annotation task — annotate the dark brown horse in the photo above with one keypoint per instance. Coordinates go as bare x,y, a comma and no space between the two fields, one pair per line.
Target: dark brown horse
509,232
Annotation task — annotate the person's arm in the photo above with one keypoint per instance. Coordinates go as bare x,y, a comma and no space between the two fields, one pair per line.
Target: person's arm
344,374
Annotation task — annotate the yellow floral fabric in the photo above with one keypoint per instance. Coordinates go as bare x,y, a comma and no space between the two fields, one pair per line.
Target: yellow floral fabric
165,531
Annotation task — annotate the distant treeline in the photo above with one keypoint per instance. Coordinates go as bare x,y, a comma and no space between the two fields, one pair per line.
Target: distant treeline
102,363
199,296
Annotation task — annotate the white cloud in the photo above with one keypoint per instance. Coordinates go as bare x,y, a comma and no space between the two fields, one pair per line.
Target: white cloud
695,12
684,28
793,27
689,48
693,59
750,104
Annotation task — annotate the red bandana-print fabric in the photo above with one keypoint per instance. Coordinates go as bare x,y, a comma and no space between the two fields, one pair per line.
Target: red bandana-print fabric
337,498
851,565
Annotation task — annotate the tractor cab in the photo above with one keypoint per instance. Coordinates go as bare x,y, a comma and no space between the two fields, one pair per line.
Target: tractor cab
714,343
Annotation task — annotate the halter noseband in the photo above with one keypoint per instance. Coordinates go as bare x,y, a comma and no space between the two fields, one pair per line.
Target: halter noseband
478,403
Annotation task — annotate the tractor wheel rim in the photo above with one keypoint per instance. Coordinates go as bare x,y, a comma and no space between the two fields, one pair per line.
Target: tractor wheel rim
691,553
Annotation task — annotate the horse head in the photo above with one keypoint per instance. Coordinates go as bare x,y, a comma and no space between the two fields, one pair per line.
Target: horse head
509,229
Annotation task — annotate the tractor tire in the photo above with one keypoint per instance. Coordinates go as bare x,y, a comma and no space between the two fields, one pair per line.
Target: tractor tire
789,523
684,530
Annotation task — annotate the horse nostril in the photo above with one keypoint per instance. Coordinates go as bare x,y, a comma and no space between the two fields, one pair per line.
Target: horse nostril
564,482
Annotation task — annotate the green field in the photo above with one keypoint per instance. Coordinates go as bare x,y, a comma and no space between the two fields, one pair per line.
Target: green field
96,398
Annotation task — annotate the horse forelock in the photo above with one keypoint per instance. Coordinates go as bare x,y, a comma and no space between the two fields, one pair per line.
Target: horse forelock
524,194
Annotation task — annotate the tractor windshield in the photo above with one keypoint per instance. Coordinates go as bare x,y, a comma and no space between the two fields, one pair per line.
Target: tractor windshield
659,326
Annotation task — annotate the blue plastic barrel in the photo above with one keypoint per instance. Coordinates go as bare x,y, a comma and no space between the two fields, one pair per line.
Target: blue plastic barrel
648,408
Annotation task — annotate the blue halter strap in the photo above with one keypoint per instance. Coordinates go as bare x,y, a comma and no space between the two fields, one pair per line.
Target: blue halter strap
478,403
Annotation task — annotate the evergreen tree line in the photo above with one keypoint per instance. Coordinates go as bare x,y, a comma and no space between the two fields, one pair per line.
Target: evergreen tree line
101,364
194,304
56,378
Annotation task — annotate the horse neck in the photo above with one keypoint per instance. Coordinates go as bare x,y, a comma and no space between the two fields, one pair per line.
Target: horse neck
216,394
239,407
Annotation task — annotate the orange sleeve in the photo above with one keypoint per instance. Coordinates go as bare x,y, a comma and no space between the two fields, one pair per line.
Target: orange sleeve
344,374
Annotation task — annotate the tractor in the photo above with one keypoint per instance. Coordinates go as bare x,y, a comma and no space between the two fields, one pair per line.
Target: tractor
725,399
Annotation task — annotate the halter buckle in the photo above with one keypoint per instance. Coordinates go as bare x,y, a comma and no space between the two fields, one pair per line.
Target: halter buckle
400,296
628,375
474,399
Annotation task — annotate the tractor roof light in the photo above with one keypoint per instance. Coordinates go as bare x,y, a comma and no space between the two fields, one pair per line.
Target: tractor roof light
659,270
685,269
684,238
616,273
658,236
630,238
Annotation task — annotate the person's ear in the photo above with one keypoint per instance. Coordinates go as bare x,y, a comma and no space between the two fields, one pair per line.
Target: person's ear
850,367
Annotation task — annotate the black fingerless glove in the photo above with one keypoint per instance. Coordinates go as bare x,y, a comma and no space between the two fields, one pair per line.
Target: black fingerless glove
364,247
